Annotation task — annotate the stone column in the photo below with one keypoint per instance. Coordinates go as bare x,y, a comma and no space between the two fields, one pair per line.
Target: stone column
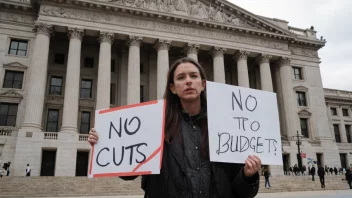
265,74
192,50
37,78
218,64
162,47
71,99
342,129
242,68
288,97
133,74
104,70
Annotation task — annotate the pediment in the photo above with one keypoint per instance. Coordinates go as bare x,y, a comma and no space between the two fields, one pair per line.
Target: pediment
13,65
304,113
218,11
300,88
11,94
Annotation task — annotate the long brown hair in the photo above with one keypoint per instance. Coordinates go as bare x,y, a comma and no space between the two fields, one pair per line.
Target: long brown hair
174,116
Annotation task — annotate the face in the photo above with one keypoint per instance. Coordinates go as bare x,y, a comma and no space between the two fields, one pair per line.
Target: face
188,83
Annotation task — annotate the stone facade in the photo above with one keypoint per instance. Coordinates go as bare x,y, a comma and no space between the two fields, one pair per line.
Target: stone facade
85,55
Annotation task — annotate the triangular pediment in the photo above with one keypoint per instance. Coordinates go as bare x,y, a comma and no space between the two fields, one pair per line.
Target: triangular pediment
15,65
11,94
216,11
304,113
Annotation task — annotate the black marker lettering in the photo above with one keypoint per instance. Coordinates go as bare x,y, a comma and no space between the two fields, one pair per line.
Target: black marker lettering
112,126
259,144
250,144
258,126
101,165
238,102
243,145
139,125
270,143
236,150
239,122
226,143
121,158
144,157
255,106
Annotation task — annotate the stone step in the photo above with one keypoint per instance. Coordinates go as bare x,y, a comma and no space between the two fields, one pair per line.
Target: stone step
83,186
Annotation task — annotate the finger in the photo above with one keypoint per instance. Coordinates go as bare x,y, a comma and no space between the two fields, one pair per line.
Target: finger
254,166
257,161
249,164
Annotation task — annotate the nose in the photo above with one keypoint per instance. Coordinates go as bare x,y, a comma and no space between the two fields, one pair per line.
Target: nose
188,80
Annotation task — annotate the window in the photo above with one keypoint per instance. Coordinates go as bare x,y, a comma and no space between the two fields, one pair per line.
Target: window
85,122
86,89
8,114
13,79
18,47
348,133
297,73
59,58
52,122
304,127
113,66
141,67
112,93
55,85
333,111
89,62
345,112
337,133
141,92
301,98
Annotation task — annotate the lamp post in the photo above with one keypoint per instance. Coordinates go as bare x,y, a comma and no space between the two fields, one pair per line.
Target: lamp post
299,157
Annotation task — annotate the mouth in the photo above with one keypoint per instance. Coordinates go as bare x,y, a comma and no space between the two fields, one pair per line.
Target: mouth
189,89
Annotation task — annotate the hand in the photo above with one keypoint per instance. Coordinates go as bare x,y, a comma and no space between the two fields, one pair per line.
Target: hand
252,165
93,137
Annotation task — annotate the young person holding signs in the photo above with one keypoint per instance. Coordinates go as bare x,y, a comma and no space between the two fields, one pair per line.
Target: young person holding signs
186,170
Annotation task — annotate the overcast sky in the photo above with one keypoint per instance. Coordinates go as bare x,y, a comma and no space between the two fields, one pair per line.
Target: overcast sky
331,18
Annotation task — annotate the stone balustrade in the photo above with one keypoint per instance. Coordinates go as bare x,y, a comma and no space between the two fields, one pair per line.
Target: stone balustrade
83,137
50,135
5,132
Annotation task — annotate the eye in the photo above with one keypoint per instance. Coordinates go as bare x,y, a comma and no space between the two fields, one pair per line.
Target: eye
180,77
194,75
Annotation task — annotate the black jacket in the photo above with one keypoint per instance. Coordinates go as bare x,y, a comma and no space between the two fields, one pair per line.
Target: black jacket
227,180
321,172
312,171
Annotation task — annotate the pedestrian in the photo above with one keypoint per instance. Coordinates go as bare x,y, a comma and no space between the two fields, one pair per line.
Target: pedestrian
349,178
312,171
304,169
331,170
2,171
266,176
28,171
309,170
321,174
186,126
335,170
291,171
326,170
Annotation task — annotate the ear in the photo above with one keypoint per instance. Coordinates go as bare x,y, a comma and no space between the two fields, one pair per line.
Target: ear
203,84
172,88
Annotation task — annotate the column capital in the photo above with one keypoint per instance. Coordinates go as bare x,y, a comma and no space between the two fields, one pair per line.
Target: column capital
241,55
263,58
75,33
218,51
134,40
162,44
107,37
43,28
192,48
284,61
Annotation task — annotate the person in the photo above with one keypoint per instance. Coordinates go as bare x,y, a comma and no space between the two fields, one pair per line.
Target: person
321,174
335,170
291,171
349,177
28,171
2,170
309,170
304,169
186,170
266,177
312,171
331,170
326,170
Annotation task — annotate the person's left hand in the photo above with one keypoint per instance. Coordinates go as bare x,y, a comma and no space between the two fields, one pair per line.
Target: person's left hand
252,165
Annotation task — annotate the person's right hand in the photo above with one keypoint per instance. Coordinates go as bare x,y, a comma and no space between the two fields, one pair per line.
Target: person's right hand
93,137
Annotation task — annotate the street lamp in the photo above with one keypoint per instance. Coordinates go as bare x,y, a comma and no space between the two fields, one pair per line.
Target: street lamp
298,143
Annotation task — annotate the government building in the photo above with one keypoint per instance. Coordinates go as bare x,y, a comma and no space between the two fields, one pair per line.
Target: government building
60,60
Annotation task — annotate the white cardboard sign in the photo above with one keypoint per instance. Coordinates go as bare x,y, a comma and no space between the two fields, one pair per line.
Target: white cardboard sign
130,140
243,122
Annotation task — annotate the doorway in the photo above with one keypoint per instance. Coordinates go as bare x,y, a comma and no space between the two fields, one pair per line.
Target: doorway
82,163
48,163
343,159
320,159
286,163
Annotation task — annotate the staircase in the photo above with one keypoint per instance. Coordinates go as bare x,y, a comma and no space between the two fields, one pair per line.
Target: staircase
82,186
